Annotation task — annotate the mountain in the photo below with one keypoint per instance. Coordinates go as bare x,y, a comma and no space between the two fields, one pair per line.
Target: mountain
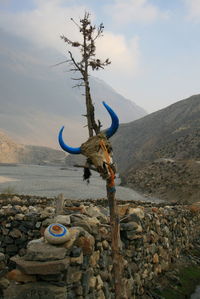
37,99
12,152
159,133
159,154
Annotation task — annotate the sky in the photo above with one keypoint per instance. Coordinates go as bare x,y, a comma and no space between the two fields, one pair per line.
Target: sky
154,45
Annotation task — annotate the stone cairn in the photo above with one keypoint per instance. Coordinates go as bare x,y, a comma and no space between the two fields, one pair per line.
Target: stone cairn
81,266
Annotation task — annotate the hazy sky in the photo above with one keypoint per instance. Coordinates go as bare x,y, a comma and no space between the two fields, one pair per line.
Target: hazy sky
154,45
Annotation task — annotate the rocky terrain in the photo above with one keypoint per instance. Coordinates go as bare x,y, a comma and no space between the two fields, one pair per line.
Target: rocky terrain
172,131
153,238
159,154
173,180
12,152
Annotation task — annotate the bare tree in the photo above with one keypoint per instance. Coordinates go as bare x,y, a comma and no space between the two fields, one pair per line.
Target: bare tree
88,61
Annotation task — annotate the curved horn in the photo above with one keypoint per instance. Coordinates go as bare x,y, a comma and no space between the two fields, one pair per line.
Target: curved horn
115,121
65,147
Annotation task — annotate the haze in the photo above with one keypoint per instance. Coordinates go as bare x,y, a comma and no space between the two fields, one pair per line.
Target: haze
154,45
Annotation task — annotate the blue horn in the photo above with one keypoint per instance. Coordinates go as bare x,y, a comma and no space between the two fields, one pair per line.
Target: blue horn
115,121
65,147
109,132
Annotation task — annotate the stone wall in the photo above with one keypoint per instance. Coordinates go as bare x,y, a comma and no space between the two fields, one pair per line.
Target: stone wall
152,239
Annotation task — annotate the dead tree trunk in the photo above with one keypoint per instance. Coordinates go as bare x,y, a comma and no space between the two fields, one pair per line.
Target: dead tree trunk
88,52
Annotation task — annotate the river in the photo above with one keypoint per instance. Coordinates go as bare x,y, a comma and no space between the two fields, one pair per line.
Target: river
50,181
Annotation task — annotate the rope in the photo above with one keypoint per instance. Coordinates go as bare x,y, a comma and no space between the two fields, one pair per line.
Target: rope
107,156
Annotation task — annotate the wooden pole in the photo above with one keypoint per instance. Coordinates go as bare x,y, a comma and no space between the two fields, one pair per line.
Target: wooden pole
118,265
59,204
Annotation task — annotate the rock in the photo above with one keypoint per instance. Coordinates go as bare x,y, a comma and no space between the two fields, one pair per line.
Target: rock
74,234
84,224
145,274
155,258
4,283
86,242
41,251
105,245
43,268
62,219
155,210
40,240
49,210
2,265
38,224
85,281
11,249
15,233
137,211
19,276
77,260
92,211
104,234
79,291
3,272
100,295
5,231
132,226
2,257
56,233
94,258
76,252
133,235
51,277
35,290
122,209
92,281
80,209
99,282
74,275
137,279
19,217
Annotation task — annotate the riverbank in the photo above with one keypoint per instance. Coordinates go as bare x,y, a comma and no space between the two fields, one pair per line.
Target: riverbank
50,181
4,179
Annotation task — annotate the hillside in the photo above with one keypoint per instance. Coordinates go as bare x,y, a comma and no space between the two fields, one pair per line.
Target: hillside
12,152
159,154
41,99
159,133
169,179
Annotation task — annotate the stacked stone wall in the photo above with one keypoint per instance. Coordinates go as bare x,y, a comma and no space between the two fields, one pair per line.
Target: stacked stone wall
152,238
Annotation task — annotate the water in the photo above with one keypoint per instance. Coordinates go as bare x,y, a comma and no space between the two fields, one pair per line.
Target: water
50,181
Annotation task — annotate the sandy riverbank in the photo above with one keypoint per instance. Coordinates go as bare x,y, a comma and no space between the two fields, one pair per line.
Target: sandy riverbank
4,179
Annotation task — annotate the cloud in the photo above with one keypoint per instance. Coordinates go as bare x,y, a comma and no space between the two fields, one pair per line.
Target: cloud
193,8
135,11
44,24
124,54
49,19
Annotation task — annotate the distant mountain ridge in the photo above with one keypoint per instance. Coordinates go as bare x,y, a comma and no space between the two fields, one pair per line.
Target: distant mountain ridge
12,152
37,99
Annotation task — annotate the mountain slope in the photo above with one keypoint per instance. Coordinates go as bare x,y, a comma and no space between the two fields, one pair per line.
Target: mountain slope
144,140
37,99
159,154
12,152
